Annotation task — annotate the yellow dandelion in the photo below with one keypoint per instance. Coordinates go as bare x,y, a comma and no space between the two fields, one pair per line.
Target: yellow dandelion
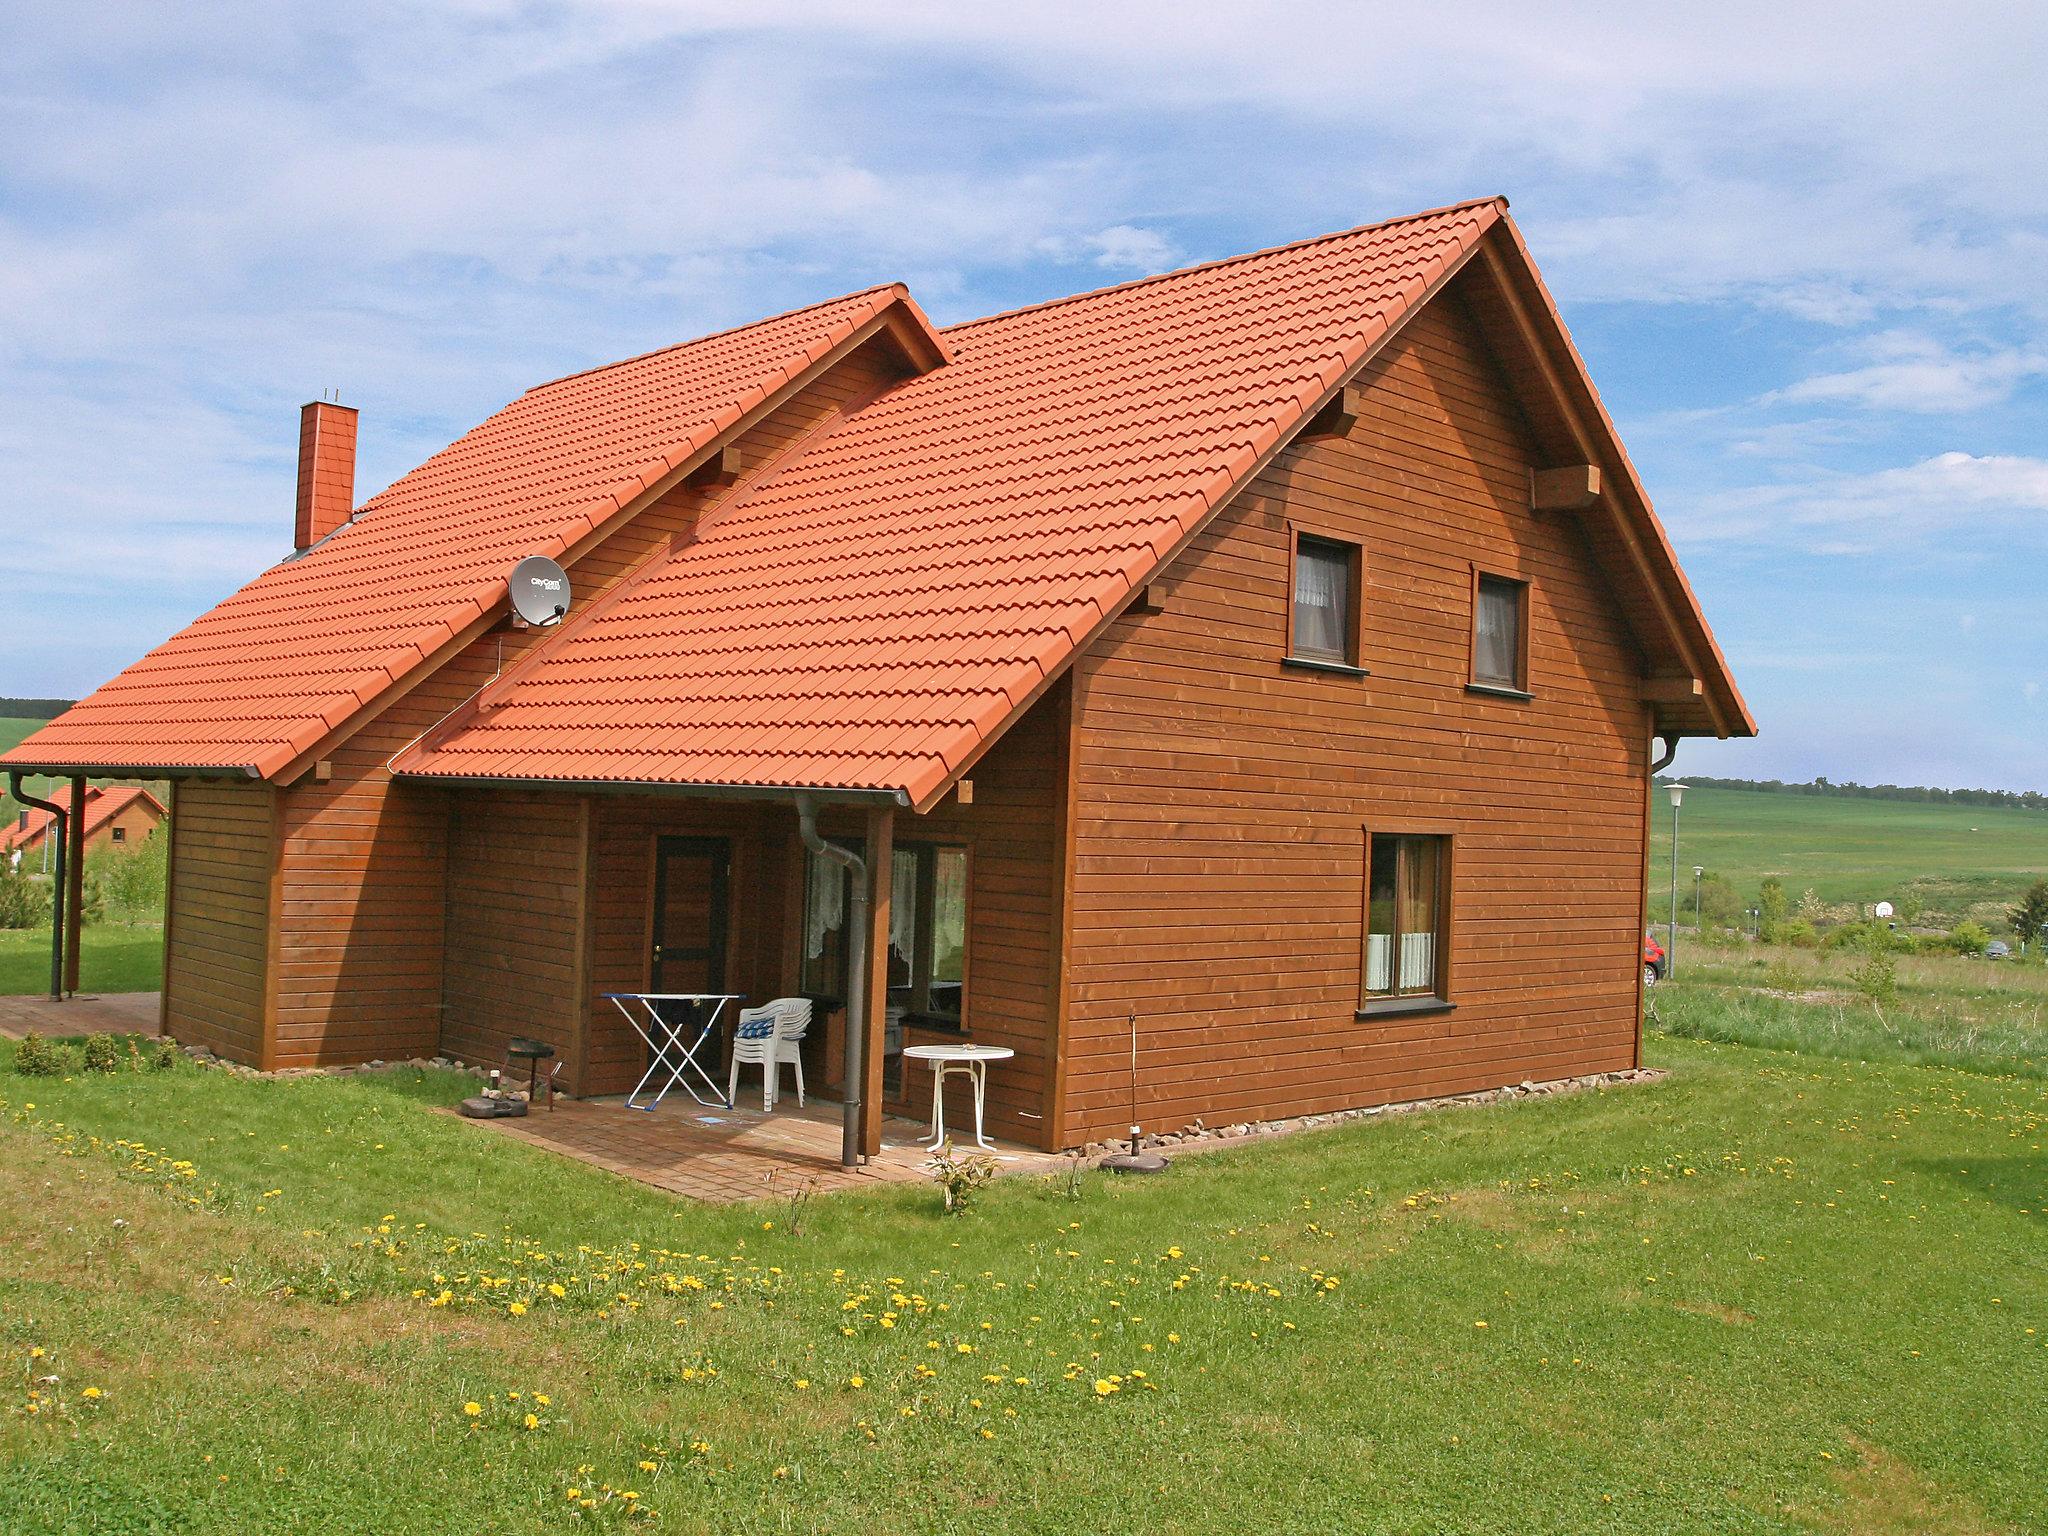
472,1409
531,1421
517,1309
90,1392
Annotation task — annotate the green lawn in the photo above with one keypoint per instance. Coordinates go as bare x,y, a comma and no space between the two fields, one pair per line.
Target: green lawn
112,957
1960,860
1777,1292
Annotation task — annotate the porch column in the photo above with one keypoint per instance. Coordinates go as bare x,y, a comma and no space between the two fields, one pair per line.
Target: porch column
74,877
881,840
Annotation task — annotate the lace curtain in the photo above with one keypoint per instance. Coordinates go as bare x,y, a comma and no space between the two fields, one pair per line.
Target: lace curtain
1322,577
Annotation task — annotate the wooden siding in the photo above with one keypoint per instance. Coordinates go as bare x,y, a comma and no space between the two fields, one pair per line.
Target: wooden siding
359,966
1221,798
217,919
518,867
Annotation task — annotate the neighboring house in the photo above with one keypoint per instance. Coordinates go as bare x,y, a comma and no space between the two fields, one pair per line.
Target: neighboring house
116,816
1273,649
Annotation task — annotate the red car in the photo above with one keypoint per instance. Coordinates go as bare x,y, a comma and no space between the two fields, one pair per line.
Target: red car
1656,964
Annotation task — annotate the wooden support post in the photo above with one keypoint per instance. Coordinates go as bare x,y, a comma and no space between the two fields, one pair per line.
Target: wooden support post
880,856
1671,690
74,879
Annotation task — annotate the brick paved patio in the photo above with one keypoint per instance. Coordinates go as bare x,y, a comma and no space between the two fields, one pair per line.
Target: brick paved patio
721,1155
115,1013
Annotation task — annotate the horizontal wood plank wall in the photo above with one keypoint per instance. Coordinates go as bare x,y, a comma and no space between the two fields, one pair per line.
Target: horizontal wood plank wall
1220,796
365,876
516,871
1014,851
222,850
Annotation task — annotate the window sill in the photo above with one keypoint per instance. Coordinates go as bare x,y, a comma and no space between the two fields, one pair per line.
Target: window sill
1406,1007
1495,691
1310,664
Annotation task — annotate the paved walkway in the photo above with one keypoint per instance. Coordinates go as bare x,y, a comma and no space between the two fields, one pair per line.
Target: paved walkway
720,1155
115,1013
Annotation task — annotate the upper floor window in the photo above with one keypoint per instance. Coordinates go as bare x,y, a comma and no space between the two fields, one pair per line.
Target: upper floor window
1323,622
1500,633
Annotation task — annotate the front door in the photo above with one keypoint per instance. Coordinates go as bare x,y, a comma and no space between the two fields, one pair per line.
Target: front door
692,880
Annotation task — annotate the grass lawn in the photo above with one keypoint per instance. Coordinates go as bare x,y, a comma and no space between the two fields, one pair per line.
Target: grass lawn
112,957
1776,1292
1960,860
1983,1015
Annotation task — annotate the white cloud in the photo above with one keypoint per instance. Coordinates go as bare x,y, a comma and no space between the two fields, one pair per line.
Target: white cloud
1963,497
1917,373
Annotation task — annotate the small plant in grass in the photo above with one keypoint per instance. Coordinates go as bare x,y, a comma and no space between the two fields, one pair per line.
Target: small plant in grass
23,902
37,1057
102,1053
163,1055
1877,978
960,1178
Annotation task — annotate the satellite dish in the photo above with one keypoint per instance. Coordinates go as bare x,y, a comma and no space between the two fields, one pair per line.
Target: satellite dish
540,590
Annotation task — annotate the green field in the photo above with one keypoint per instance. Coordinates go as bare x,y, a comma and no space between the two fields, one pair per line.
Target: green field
112,957
1727,1302
1960,861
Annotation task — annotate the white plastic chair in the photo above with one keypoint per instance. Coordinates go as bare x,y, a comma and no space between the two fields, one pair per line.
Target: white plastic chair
769,1037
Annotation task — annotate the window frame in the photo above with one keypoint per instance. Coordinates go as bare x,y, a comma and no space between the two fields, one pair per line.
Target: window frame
1474,683
923,928
1348,664
1377,1005
925,899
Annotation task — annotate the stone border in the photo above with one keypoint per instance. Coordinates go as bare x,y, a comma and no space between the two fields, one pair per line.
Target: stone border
205,1057
1198,1137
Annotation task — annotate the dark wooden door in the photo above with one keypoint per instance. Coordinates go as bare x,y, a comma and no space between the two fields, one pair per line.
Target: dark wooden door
692,891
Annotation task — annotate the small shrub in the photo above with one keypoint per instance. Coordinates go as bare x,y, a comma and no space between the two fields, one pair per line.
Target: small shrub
1967,939
1877,978
163,1055
37,1057
23,902
960,1178
1799,933
102,1053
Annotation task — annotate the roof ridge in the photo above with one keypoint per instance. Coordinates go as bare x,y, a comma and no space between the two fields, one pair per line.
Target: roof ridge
1226,261
730,330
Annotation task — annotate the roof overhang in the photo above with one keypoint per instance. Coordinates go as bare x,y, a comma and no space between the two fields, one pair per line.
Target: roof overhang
776,792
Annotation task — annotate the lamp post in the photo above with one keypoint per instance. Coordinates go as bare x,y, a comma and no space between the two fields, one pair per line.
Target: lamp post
1677,799
1697,871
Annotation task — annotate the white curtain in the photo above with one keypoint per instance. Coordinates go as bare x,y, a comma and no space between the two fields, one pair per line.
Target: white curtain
1378,952
824,903
1321,579
1497,657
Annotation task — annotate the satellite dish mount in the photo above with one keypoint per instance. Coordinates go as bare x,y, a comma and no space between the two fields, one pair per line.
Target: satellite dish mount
540,592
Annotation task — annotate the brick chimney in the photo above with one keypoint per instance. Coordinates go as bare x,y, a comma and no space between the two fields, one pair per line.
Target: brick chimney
327,470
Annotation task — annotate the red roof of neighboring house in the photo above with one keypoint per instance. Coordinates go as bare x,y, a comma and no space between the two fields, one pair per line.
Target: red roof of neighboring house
866,613
102,804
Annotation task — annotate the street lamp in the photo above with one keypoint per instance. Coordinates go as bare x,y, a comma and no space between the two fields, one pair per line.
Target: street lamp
1677,799
1697,871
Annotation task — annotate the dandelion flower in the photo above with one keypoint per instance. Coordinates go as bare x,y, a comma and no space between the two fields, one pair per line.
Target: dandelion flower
472,1409
532,1421
517,1309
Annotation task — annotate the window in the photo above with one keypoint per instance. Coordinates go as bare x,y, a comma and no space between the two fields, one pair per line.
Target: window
1323,620
120,834
1406,894
927,954
928,930
1500,633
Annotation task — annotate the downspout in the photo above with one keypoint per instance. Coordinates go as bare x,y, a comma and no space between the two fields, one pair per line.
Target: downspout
61,820
1658,765
856,974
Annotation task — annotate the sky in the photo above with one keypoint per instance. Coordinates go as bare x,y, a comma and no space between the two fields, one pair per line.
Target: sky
1801,246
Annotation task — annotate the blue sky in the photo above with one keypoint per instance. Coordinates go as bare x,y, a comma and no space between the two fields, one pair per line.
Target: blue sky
1802,247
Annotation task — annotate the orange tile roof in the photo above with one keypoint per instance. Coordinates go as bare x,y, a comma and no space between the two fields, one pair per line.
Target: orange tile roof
865,614
272,671
870,612
102,804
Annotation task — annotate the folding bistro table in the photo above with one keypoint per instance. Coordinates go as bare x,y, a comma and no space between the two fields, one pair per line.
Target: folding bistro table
664,1020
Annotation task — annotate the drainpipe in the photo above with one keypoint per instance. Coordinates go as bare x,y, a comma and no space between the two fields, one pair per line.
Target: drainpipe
1670,751
60,821
856,974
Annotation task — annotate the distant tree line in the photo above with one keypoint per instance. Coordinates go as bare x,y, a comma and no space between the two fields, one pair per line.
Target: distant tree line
1919,794
34,709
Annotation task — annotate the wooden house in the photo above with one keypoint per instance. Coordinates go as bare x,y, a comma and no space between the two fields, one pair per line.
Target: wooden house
1275,651
116,816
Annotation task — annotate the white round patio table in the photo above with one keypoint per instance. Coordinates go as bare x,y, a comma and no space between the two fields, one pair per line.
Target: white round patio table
969,1061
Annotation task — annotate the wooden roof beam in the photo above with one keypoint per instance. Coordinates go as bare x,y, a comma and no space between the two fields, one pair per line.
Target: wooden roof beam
1666,688
1568,488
